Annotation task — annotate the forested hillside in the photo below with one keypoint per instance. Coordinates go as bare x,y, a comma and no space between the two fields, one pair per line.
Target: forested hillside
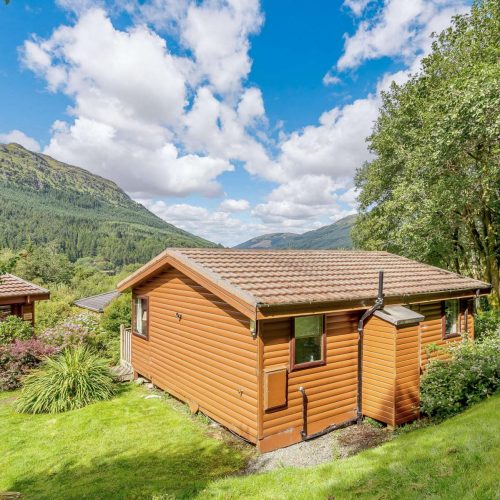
336,235
44,201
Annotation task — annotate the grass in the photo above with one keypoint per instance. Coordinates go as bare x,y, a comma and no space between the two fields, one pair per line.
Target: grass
131,447
459,458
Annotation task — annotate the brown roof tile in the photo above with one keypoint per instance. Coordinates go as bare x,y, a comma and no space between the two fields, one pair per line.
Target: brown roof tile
13,286
302,276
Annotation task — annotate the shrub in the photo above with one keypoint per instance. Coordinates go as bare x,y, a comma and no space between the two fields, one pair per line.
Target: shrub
18,358
117,313
72,380
472,373
74,331
14,328
487,324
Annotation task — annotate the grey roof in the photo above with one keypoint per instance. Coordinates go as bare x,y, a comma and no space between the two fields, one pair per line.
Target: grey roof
97,303
398,315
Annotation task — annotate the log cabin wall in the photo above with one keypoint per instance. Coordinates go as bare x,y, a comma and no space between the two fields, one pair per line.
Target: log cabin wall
331,389
207,358
431,330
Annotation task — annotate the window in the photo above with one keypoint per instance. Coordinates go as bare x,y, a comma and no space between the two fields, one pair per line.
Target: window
451,318
308,342
5,311
140,316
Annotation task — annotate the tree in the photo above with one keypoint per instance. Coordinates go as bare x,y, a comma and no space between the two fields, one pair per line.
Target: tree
433,190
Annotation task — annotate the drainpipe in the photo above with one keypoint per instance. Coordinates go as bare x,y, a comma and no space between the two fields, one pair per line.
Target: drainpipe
379,304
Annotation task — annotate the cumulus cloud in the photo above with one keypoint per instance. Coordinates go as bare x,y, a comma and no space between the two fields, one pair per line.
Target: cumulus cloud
356,6
21,138
230,205
330,79
400,29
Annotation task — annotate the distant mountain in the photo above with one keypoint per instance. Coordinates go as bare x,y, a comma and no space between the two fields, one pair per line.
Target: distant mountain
44,201
336,235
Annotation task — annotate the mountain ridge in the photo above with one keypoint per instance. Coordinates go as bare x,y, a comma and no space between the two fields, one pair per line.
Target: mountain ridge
336,235
45,201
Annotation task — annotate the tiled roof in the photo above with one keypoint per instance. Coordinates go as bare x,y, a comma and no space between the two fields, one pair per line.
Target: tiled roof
13,286
276,277
97,303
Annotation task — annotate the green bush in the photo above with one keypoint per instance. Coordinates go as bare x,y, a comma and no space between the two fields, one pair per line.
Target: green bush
72,380
471,374
487,324
117,313
14,328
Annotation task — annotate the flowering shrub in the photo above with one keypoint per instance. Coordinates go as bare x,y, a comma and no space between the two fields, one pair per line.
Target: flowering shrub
18,358
12,328
472,373
75,331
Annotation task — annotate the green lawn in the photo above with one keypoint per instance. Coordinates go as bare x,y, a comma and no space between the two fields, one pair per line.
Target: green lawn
135,448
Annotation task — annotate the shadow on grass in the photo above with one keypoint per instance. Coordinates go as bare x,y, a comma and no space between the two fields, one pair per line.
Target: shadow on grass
177,474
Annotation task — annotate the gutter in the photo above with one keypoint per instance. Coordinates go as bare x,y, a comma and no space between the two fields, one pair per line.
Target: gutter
379,304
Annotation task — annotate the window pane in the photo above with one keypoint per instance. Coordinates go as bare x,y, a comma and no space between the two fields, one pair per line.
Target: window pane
308,339
138,315
144,309
5,311
452,313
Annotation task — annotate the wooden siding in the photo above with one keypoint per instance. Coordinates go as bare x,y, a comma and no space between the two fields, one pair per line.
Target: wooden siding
431,331
379,370
331,389
207,358
407,383
391,372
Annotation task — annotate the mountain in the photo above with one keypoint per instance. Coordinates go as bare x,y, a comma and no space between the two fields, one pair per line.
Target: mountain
336,235
44,201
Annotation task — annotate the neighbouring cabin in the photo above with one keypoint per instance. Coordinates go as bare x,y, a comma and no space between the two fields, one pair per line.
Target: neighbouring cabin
18,297
97,303
269,343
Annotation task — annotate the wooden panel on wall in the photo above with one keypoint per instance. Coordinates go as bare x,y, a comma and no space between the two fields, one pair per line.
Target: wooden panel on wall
275,383
200,350
331,389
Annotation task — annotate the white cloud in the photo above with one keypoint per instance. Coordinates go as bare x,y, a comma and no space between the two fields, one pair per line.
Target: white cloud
230,205
217,32
129,95
336,147
330,79
20,138
400,29
356,6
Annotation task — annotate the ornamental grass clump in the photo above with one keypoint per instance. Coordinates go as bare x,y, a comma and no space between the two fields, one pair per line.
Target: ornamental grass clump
72,380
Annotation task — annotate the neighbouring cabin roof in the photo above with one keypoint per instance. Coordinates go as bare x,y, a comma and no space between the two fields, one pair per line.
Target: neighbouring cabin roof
399,315
266,278
13,286
97,303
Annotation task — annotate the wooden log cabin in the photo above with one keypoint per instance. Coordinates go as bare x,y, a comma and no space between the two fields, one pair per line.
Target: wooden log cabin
18,297
281,346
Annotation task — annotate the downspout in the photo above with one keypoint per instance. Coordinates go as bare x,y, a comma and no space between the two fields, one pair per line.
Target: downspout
379,304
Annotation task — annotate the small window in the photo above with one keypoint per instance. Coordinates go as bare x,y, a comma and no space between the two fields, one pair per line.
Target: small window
451,318
5,311
308,342
141,316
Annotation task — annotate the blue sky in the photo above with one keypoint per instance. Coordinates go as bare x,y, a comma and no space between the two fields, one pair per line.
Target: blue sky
229,118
